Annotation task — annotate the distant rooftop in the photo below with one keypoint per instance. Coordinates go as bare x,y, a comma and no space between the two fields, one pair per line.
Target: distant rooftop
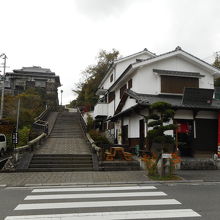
34,69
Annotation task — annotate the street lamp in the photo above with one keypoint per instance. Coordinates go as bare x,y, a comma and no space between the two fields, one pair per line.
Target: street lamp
61,97
3,85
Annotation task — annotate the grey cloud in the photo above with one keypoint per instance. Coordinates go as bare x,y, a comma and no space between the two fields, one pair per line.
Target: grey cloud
99,9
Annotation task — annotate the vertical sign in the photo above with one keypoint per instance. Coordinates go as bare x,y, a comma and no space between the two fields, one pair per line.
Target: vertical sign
15,137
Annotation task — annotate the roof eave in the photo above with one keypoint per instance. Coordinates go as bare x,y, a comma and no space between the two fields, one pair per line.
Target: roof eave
213,70
145,51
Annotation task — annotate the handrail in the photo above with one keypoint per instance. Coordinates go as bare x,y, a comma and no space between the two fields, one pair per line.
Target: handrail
30,143
37,139
40,120
42,114
94,148
82,120
92,142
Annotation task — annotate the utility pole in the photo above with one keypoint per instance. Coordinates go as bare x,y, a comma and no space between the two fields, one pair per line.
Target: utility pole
18,114
3,85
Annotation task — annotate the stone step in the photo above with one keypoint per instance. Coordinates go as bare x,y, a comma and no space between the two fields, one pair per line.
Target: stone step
62,155
61,160
56,170
66,132
70,129
119,165
60,166
66,136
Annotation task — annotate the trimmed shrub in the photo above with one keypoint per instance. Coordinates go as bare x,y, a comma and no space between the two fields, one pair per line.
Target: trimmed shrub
23,136
99,138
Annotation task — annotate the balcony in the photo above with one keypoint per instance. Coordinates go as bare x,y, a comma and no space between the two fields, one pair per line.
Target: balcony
101,110
101,91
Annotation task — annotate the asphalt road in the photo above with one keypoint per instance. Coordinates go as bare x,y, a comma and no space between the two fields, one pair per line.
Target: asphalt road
158,201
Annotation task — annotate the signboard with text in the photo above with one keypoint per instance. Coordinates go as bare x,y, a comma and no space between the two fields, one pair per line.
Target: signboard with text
15,138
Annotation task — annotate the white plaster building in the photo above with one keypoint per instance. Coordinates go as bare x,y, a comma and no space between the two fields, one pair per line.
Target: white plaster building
134,82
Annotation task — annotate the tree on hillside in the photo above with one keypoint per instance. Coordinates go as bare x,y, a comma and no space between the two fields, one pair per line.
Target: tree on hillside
31,106
93,75
217,64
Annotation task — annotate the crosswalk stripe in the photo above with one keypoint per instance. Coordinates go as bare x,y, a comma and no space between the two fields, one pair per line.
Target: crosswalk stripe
65,205
92,189
149,214
97,195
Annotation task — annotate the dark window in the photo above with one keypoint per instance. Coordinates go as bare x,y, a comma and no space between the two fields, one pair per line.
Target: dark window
111,78
2,138
105,98
122,89
130,84
111,97
125,134
175,84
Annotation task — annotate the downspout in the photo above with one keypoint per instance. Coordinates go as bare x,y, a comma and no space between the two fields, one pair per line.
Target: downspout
114,79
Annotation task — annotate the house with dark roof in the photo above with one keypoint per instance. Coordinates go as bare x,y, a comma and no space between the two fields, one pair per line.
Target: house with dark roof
177,77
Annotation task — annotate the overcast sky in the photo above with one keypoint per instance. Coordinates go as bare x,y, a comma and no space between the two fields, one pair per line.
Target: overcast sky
66,35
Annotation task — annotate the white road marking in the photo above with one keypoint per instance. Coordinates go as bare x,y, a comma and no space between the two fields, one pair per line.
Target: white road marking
97,195
150,214
66,205
92,189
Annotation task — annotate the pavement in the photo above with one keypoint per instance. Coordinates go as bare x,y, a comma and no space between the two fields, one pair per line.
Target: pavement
71,178
100,177
202,175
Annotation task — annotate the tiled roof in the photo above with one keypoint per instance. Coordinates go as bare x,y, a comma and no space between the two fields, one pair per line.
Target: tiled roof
174,100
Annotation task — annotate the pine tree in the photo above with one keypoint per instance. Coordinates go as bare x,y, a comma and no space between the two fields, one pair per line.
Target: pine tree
159,119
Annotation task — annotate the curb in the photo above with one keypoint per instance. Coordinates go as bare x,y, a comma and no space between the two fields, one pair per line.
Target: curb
108,183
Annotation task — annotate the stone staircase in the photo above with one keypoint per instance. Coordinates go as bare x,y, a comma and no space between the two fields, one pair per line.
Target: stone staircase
65,149
67,126
60,162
